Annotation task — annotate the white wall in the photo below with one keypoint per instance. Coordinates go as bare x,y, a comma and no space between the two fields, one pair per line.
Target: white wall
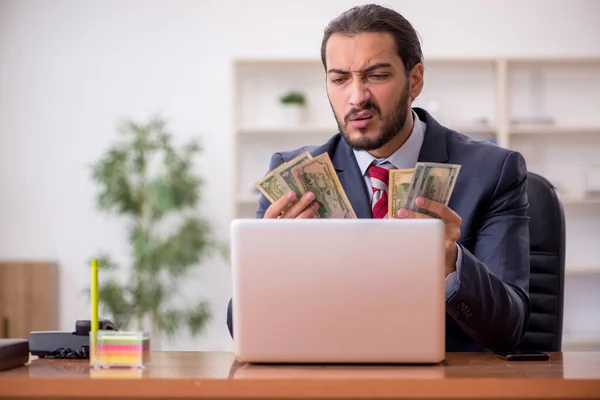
70,69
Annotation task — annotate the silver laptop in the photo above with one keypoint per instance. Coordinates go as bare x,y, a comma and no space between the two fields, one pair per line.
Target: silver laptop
338,291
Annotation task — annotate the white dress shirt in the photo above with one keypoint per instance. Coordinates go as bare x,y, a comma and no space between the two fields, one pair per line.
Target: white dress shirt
406,157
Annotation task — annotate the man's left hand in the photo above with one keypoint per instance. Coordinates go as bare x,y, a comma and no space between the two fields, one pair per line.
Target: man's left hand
452,222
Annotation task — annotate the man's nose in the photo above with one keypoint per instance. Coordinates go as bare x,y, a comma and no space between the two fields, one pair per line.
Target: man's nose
360,94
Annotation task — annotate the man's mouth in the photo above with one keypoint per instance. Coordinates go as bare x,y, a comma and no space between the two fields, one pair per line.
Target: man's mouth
362,116
361,119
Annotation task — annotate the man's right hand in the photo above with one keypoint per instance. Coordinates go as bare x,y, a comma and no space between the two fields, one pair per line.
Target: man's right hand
287,206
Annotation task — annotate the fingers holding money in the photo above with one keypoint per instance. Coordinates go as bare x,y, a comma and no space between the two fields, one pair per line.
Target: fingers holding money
452,220
288,207
305,174
445,213
277,208
310,211
404,213
305,207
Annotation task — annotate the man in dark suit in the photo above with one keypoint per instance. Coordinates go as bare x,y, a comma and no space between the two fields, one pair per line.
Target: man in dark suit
374,71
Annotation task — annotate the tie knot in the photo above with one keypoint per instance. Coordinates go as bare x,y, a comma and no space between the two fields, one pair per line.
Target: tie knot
380,172
380,176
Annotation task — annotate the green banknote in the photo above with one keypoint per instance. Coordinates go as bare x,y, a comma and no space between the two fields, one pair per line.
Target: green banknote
274,185
398,189
318,176
434,181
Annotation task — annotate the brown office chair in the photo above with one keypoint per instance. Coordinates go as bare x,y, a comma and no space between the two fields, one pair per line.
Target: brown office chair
547,249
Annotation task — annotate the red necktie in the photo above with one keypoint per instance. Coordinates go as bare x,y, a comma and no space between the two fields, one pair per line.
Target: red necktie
380,177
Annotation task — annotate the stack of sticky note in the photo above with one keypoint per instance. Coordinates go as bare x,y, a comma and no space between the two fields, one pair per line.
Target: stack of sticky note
117,373
121,349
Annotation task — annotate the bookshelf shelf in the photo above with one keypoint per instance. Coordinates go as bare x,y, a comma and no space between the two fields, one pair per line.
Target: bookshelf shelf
554,130
582,270
553,61
467,129
288,131
247,199
429,61
474,129
572,200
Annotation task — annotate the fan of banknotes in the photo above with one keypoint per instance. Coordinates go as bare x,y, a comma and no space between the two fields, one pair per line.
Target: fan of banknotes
316,174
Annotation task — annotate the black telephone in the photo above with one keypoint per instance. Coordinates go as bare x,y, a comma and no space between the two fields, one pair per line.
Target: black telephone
67,344
84,326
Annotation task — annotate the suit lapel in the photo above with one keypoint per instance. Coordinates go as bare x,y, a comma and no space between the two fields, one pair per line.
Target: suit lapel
434,148
351,179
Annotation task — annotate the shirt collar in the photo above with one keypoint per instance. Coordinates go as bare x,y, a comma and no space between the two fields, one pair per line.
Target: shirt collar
405,157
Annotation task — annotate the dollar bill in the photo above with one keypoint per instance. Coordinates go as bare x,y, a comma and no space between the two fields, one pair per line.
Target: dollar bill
432,181
270,187
274,185
398,189
319,177
285,173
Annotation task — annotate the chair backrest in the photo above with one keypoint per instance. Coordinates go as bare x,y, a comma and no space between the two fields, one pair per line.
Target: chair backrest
547,249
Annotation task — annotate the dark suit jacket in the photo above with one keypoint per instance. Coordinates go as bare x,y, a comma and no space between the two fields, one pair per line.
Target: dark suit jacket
491,308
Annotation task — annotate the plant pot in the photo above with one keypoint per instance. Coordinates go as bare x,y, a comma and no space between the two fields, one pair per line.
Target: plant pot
293,114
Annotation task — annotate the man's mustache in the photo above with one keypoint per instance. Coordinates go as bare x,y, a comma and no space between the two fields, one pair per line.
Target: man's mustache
369,106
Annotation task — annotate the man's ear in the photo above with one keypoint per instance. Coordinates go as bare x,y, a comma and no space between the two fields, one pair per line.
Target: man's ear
416,77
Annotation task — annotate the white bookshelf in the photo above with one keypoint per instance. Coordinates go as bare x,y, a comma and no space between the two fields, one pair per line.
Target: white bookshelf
485,98
582,270
581,200
248,199
286,131
554,130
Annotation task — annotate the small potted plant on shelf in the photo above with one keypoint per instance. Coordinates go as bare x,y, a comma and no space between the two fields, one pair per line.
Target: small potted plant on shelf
294,107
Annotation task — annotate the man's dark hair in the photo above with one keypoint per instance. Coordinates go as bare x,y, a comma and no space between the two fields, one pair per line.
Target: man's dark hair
375,18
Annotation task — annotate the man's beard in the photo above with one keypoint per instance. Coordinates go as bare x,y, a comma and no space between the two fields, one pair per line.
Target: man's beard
389,129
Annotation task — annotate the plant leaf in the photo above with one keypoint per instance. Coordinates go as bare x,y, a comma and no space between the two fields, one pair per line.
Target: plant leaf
141,248
112,296
105,262
115,188
154,297
170,321
184,249
198,317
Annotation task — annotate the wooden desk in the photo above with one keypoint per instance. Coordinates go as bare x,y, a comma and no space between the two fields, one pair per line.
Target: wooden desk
175,375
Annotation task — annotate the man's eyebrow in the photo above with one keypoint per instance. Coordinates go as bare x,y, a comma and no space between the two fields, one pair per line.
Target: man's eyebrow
368,69
377,66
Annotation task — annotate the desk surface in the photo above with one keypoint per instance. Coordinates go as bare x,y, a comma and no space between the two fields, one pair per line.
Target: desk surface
211,374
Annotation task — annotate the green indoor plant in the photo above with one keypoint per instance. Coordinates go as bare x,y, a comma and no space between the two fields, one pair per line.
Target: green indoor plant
150,183
293,98
294,107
